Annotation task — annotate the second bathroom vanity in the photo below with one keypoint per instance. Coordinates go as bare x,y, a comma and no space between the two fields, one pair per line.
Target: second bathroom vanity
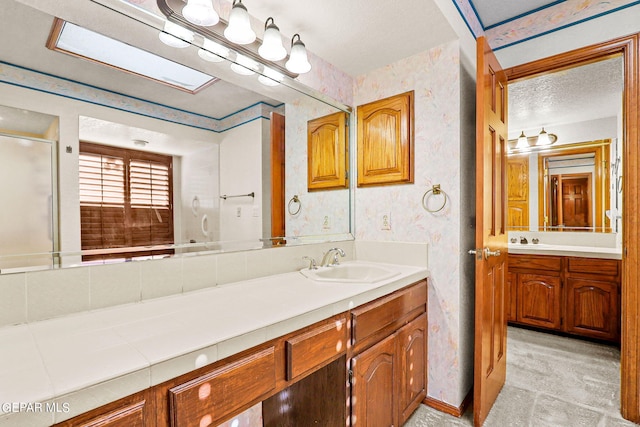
574,290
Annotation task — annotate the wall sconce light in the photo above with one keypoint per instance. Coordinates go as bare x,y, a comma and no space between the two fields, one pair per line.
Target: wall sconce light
239,30
200,12
527,143
271,48
175,36
212,51
543,139
298,62
244,65
270,77
523,143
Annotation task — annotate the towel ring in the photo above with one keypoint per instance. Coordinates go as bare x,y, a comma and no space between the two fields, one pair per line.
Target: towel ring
291,207
435,190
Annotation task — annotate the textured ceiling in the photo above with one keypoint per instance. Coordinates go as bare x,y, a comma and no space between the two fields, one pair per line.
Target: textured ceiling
578,94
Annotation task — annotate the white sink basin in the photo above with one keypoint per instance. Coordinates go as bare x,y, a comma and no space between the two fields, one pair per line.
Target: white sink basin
350,273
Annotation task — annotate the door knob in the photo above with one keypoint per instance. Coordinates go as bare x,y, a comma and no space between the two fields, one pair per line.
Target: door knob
488,252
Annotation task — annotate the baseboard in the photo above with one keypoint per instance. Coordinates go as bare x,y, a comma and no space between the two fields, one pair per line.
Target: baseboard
456,411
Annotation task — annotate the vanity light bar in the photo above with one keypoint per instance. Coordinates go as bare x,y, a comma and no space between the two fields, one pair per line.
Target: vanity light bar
80,42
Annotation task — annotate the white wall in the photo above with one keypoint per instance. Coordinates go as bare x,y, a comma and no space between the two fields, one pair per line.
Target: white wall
199,201
241,173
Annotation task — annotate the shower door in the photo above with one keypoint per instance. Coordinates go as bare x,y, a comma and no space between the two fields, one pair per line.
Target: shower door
26,203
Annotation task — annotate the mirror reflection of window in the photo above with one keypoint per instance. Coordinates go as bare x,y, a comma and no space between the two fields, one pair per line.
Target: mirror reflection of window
125,201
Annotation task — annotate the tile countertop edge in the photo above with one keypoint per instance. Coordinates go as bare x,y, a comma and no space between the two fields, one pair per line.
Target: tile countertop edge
118,387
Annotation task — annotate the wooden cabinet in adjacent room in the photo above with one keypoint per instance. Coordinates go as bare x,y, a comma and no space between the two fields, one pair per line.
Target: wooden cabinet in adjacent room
538,300
579,296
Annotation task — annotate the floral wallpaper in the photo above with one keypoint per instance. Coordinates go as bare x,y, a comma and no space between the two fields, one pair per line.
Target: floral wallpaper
47,83
435,77
321,212
556,17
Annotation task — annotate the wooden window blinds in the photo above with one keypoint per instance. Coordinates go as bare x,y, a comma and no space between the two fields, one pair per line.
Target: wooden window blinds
125,199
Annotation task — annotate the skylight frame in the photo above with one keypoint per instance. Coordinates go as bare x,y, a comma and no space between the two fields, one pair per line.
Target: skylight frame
115,54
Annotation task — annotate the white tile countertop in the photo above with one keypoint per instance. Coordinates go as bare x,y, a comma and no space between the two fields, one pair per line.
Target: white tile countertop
565,250
55,369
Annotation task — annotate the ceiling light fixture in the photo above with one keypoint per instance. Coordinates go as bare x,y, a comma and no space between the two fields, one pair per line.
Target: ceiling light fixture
175,36
239,30
212,51
200,12
272,48
298,62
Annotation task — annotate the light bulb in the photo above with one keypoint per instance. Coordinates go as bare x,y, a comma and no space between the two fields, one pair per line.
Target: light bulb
270,77
200,12
298,62
175,36
543,138
244,65
523,143
239,29
271,48
212,51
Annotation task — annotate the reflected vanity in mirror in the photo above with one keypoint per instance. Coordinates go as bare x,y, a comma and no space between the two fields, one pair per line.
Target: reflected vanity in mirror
220,188
573,182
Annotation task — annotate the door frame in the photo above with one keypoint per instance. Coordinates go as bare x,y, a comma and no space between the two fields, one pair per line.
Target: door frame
629,48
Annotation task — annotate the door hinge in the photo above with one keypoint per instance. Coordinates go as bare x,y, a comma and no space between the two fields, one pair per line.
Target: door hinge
350,377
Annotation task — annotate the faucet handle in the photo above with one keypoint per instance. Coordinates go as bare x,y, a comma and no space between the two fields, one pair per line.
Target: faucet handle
312,262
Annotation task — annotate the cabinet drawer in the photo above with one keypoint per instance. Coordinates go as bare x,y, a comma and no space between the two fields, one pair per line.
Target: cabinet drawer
604,267
533,262
211,397
380,314
316,347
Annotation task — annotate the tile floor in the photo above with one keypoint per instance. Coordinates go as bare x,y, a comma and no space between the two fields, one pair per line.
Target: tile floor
552,381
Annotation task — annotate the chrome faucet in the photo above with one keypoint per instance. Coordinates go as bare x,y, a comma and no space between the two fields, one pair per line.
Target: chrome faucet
327,256
312,262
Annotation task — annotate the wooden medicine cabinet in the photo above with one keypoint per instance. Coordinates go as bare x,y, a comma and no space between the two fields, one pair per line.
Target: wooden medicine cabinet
385,141
327,152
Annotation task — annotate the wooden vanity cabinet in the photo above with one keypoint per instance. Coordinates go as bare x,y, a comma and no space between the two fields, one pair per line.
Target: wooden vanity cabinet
389,366
367,366
579,296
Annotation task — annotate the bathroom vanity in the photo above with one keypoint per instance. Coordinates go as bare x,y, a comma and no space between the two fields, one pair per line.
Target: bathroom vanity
375,353
567,292
296,349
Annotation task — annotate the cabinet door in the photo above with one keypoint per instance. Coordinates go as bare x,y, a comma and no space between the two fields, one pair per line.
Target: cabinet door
327,152
511,299
412,357
539,300
385,141
372,392
592,308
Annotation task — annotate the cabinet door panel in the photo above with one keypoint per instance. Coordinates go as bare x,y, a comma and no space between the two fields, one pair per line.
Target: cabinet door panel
539,300
511,299
412,353
592,308
372,392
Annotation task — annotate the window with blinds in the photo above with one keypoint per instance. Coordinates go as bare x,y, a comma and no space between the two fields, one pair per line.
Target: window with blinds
125,199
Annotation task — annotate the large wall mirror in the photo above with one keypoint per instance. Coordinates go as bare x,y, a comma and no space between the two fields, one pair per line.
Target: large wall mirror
129,167
564,163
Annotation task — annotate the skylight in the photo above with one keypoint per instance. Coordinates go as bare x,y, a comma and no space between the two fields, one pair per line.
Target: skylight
77,41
